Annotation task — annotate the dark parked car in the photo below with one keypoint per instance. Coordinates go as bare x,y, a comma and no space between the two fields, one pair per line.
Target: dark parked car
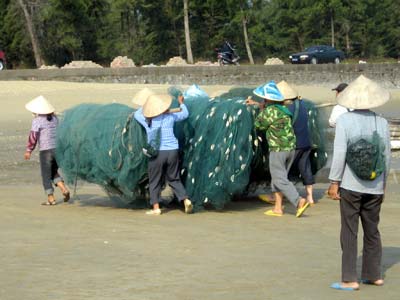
2,60
317,55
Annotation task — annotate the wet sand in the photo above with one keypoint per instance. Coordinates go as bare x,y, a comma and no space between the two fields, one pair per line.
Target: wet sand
99,248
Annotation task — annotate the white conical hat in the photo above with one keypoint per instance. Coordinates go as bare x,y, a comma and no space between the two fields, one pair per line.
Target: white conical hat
40,106
156,104
141,96
363,93
287,91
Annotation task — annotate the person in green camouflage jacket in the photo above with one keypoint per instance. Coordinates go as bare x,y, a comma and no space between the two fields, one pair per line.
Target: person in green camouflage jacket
276,120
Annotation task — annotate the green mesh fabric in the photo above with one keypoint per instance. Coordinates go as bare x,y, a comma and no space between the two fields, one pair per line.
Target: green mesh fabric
102,144
218,150
221,151
316,126
365,156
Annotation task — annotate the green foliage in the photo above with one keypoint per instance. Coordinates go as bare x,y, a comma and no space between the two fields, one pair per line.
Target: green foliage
14,40
152,31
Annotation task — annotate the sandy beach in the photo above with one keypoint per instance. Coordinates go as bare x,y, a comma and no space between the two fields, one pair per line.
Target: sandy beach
97,248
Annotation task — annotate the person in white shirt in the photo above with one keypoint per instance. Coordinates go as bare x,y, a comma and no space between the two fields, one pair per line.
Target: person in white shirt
337,110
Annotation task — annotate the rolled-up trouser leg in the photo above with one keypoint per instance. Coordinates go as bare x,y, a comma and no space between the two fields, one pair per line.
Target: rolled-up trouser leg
304,165
46,157
279,165
55,176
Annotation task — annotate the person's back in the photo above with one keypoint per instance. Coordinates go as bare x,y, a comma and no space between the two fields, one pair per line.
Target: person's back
164,122
46,127
163,164
300,124
360,165
337,111
350,127
226,47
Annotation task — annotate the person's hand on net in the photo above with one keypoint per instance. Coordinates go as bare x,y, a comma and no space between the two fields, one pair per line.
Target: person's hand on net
250,101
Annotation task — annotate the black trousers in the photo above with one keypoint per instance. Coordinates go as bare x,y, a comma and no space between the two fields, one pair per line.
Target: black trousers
355,206
303,163
165,168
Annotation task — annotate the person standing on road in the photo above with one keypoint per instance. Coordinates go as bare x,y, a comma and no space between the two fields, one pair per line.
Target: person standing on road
163,165
360,166
276,120
43,132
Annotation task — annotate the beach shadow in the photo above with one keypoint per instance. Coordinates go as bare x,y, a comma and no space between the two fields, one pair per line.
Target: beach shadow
238,203
390,257
89,200
242,203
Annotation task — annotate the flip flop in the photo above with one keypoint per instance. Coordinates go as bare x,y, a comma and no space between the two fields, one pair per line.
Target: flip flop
300,211
266,198
338,286
272,213
49,203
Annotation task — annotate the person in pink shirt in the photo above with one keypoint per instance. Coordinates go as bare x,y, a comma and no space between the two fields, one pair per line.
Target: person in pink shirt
43,133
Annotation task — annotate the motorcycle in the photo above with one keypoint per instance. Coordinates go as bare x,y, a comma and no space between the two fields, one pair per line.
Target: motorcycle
227,55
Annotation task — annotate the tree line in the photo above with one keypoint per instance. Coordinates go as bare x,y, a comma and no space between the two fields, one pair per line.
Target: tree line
36,32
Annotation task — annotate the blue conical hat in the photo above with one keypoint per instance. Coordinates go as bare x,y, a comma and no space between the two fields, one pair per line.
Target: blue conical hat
269,91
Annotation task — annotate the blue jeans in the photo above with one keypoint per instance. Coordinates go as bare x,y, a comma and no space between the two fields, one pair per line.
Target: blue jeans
49,170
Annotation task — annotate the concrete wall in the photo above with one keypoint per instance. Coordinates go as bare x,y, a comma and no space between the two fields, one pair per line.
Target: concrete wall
327,74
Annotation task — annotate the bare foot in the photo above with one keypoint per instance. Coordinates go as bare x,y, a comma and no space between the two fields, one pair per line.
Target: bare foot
378,282
302,202
353,285
310,200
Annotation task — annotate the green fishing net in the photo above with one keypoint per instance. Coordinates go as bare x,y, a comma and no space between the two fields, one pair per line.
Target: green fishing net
102,144
366,156
221,151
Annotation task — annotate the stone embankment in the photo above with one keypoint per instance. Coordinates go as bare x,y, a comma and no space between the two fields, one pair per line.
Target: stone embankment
327,74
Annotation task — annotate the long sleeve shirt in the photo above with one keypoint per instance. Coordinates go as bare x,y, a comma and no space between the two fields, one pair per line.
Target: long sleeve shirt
43,132
278,127
337,111
349,127
166,123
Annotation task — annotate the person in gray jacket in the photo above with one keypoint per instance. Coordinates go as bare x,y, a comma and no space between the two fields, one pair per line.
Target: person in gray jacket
360,196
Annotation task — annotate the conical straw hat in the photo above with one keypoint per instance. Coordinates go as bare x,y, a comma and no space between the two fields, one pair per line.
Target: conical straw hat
287,91
269,91
40,106
141,96
156,105
363,93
